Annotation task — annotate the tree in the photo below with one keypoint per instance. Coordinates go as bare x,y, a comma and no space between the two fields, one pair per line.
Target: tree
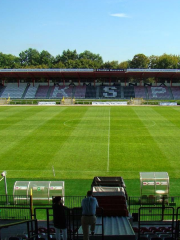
58,65
57,59
46,58
73,64
110,65
139,61
30,57
153,61
68,55
168,61
91,56
123,65
88,63
9,61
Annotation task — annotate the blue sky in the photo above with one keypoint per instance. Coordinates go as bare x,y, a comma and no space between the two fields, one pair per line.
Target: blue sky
115,29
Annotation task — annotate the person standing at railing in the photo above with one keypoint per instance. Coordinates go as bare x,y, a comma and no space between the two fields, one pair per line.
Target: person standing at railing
88,218
59,218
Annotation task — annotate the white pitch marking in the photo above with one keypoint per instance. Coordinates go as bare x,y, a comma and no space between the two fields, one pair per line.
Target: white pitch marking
53,171
67,171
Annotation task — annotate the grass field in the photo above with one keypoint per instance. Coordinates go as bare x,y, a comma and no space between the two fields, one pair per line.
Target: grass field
77,143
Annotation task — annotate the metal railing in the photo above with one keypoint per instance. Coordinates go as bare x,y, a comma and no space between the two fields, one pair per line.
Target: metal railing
15,201
158,216
73,201
15,207
134,203
73,219
15,213
31,228
178,223
76,215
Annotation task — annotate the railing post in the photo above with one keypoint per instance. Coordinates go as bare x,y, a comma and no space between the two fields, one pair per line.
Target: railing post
47,213
163,207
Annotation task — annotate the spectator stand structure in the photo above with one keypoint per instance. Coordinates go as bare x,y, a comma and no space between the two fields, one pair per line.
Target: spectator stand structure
105,83
112,197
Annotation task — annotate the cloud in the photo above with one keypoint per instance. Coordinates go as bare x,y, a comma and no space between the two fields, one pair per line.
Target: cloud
120,15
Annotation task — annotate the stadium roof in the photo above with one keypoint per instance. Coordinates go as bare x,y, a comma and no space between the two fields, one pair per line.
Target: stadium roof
89,73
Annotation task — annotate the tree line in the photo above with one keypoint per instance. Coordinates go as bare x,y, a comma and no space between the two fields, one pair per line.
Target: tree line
31,58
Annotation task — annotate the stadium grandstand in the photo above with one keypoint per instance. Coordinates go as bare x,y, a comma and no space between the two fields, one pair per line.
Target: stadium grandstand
90,83
152,215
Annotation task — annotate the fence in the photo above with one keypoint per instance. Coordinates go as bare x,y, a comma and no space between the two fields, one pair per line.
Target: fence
178,222
11,229
20,207
74,201
15,201
24,200
160,216
134,203
73,218
15,207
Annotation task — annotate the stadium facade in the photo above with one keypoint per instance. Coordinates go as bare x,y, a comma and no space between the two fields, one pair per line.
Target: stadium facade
90,83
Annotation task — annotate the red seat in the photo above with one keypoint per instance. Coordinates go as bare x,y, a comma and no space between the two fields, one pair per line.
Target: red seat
153,229
52,230
42,230
144,229
135,229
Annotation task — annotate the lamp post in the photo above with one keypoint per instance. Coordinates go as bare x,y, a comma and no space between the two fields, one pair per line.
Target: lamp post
3,174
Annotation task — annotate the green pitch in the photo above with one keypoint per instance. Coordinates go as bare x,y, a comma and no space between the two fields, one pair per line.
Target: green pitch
80,142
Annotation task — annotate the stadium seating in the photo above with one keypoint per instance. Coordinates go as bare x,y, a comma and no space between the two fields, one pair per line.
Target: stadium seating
90,92
154,232
176,92
60,92
42,92
13,91
129,92
2,88
80,92
159,93
110,92
140,92
31,91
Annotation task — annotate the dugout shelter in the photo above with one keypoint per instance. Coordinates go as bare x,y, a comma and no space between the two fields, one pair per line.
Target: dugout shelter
154,185
41,191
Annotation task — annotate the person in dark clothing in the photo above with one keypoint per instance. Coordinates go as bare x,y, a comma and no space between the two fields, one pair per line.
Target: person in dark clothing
59,218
